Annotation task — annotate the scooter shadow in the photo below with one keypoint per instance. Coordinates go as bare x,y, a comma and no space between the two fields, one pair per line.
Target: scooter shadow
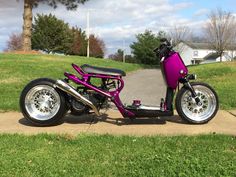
143,121
93,119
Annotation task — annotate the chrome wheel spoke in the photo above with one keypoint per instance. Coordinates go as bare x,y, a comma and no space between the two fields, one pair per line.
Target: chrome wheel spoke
202,111
42,102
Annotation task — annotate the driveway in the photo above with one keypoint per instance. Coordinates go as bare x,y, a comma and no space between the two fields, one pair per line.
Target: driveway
146,85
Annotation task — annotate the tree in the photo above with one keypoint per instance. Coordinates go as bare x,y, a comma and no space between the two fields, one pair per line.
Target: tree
28,15
143,48
179,34
96,46
15,42
51,34
118,56
220,30
79,45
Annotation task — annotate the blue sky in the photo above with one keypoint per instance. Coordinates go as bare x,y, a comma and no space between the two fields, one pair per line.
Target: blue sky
116,21
207,4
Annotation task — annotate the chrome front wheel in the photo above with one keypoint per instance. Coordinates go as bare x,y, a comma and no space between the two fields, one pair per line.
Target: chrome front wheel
202,112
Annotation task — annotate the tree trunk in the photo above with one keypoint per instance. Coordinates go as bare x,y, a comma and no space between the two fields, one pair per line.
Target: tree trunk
27,27
221,53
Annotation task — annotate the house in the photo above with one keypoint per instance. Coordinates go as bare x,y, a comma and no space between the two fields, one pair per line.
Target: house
196,53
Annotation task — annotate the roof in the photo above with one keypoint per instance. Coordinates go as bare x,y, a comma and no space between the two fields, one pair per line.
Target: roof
211,56
195,45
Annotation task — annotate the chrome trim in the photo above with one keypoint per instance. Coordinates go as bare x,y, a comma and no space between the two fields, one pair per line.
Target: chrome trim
42,102
151,108
162,59
71,91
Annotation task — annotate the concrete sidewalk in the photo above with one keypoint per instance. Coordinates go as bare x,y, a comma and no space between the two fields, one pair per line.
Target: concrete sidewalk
112,123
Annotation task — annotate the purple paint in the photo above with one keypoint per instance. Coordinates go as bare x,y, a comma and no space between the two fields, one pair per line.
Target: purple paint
174,69
136,102
113,95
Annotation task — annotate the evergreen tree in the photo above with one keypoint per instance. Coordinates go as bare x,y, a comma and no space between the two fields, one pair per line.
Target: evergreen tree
143,48
28,15
51,34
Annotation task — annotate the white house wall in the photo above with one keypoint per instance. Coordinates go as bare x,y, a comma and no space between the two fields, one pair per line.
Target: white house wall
185,53
201,53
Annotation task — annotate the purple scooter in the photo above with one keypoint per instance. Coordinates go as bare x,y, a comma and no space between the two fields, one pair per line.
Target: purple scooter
45,101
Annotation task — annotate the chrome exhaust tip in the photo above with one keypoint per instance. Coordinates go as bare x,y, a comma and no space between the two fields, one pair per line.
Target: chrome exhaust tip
62,85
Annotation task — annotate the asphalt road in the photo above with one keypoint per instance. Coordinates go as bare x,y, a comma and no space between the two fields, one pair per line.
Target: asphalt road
145,85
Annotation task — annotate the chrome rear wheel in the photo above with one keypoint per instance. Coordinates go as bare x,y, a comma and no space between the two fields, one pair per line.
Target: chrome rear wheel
42,102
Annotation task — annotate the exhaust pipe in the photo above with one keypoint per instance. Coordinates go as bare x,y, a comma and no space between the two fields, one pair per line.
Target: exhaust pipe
71,91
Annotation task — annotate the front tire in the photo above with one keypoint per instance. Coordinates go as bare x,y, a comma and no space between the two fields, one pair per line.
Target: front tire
190,111
42,104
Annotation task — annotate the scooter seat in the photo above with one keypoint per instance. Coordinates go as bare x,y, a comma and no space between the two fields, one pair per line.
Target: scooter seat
104,71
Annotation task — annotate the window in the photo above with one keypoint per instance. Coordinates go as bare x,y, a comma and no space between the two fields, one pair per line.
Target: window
195,53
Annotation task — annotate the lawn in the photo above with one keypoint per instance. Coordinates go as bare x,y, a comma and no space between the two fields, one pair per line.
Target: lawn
105,155
222,76
18,70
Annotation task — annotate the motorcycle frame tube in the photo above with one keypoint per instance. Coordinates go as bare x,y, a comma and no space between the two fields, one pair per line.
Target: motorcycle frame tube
113,95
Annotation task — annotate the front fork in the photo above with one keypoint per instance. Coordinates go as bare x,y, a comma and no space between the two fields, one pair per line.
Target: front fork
186,83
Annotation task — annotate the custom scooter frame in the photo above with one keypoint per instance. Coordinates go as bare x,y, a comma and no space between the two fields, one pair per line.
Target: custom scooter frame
173,70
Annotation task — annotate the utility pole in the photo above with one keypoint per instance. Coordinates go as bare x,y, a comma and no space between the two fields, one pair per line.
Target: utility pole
88,32
123,51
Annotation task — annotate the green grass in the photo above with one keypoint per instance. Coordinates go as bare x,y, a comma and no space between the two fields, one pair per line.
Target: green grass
222,77
18,70
92,155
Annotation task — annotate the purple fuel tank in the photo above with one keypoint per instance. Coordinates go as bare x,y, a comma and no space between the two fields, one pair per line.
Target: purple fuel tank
174,69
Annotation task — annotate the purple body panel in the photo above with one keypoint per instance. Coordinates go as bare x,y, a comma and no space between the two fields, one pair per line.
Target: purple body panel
174,69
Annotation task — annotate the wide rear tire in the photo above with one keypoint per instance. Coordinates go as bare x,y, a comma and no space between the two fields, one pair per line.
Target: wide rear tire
41,103
190,111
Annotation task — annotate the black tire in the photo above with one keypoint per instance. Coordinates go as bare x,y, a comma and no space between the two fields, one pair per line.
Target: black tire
61,109
182,113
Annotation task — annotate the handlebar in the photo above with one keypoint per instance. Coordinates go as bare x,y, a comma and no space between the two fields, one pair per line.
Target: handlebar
164,49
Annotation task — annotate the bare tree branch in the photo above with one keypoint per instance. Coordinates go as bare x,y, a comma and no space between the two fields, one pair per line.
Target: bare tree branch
179,34
15,42
220,31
